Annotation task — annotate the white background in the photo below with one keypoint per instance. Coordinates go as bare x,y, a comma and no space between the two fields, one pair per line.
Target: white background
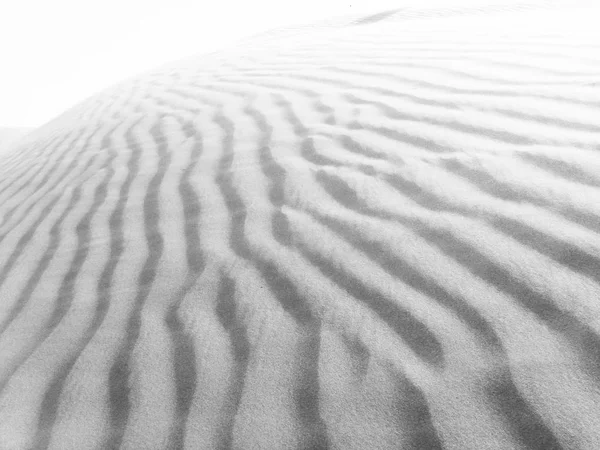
55,53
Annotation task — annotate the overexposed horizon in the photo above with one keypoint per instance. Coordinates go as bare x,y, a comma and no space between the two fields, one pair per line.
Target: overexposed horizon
57,53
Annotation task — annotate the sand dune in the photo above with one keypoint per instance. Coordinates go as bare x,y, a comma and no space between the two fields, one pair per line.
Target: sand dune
374,232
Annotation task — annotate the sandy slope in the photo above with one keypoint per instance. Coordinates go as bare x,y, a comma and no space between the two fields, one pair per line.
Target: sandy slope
381,233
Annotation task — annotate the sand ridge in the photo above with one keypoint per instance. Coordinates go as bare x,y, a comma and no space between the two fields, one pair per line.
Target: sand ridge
376,236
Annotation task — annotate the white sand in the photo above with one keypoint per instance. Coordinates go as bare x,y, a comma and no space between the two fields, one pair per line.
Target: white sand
9,137
377,232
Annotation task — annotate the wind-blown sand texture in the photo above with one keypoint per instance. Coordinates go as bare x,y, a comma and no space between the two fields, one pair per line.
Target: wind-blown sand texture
379,232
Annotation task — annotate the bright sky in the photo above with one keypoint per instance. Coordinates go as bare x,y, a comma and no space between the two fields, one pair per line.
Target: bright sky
55,53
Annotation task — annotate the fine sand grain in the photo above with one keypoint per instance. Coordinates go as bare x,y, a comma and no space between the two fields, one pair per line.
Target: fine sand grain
377,232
